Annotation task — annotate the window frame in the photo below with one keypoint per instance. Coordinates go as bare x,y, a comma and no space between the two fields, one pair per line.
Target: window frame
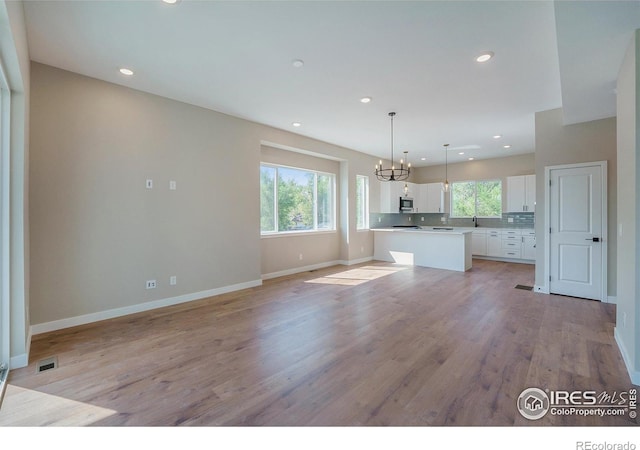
475,194
366,201
315,229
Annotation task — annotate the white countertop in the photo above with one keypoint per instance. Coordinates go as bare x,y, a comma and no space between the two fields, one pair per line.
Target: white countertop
427,230
453,230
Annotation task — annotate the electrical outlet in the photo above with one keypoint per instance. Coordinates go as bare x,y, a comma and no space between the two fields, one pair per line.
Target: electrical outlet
151,284
379,219
362,249
443,219
149,184
300,257
421,219
409,218
510,219
172,185
173,280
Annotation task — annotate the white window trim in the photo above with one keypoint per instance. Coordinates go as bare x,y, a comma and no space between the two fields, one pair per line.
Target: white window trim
451,216
315,206
366,203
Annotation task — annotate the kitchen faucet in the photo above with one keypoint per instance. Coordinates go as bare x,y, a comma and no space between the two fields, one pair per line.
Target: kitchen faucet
475,221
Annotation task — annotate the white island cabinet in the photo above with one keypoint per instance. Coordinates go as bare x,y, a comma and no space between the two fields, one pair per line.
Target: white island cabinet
440,249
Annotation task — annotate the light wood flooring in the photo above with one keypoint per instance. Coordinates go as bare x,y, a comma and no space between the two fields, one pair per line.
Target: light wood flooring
373,344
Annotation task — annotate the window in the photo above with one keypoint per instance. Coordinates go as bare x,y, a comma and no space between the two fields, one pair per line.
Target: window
295,200
476,198
362,202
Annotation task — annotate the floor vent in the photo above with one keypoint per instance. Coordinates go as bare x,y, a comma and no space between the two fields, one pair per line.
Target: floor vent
524,288
48,364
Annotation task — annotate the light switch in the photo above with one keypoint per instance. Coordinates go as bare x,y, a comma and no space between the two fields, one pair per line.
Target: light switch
172,185
149,184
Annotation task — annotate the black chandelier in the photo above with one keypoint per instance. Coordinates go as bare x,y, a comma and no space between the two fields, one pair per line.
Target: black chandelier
392,173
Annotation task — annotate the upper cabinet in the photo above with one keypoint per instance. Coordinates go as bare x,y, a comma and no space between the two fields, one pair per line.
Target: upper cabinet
427,198
521,193
390,193
430,199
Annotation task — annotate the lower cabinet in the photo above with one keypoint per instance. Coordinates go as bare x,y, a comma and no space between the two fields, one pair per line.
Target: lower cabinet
529,247
494,244
479,243
504,243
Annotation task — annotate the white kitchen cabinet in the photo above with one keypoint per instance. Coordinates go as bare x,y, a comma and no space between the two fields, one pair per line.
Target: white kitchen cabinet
430,198
385,197
494,243
507,243
435,203
479,243
529,245
390,193
521,193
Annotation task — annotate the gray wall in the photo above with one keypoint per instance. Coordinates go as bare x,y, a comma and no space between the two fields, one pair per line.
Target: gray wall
557,144
98,234
628,309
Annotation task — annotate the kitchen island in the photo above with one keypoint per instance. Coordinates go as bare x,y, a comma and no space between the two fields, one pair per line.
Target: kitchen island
436,247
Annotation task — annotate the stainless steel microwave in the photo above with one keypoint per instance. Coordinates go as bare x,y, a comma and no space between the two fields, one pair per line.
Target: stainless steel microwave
406,204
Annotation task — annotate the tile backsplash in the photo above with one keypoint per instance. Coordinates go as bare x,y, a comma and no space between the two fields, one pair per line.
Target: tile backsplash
519,220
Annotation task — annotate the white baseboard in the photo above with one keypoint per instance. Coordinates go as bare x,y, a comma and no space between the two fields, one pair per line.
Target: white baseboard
118,312
612,299
19,361
511,260
633,374
540,289
293,271
282,273
351,262
22,360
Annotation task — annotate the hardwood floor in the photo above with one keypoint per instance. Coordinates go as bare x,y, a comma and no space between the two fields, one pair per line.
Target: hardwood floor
374,344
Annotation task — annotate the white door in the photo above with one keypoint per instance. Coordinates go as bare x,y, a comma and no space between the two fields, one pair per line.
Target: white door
576,231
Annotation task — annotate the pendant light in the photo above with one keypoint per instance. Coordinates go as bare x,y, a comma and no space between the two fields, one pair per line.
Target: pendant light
393,174
445,185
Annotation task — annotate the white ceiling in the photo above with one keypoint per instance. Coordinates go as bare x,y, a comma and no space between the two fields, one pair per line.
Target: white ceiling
415,58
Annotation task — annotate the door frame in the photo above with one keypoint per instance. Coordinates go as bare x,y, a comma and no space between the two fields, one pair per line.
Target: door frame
605,218
5,236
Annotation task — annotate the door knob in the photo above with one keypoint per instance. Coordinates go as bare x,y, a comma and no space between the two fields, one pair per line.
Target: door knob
595,239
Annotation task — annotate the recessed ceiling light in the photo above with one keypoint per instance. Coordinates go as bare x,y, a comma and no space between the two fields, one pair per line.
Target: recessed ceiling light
507,146
365,99
125,71
497,136
423,159
297,63
471,159
485,56
461,153
296,124
171,2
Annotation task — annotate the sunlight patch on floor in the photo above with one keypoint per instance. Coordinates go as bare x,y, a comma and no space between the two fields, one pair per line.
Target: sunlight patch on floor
26,407
354,277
